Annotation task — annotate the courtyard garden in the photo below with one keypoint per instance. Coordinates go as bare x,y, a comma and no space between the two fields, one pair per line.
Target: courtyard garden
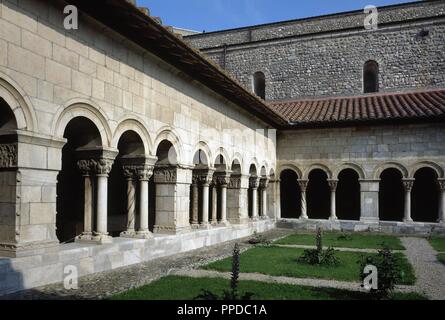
263,269
439,245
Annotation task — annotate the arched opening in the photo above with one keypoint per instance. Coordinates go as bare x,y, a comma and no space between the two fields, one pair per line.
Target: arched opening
391,195
259,84
166,153
130,146
348,195
216,195
425,196
201,173
7,118
290,195
318,195
80,133
253,191
371,77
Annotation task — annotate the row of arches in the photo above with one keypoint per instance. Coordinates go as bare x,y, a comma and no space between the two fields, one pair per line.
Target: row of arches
127,198
400,199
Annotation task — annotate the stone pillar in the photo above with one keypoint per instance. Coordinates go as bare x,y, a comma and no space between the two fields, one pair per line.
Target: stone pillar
442,201
102,169
85,168
254,184
333,186
303,188
195,202
144,173
222,180
237,195
408,185
129,173
172,199
205,203
264,183
369,200
214,219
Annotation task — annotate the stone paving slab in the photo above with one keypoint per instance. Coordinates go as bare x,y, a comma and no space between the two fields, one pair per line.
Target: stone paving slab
105,284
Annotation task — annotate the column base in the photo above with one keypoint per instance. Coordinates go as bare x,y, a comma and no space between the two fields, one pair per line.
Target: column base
224,224
144,235
128,234
204,226
408,220
254,219
171,229
333,218
304,218
370,220
94,239
214,223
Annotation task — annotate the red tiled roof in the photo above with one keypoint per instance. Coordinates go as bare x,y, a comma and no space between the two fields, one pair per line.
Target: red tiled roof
428,105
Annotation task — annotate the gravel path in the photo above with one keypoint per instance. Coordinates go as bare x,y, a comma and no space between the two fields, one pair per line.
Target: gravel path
102,285
353,286
430,272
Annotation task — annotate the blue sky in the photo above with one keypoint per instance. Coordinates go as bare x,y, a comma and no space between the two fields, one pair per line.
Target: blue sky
211,15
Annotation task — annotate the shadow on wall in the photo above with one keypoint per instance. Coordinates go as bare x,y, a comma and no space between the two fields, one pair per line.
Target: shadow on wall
10,279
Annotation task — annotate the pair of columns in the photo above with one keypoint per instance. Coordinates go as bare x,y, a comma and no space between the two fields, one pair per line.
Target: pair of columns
258,187
303,187
205,180
140,174
408,185
98,169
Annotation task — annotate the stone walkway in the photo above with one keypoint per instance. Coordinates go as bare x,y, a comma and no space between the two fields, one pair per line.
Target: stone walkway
429,271
105,284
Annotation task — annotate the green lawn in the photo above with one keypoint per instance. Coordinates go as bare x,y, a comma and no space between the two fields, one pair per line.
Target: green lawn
358,241
438,244
185,288
441,257
279,261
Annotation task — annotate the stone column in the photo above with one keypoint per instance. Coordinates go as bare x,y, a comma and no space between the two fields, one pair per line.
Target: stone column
129,174
369,201
85,168
214,219
102,168
333,185
144,173
195,202
442,201
223,180
408,185
254,184
264,183
237,195
205,202
303,187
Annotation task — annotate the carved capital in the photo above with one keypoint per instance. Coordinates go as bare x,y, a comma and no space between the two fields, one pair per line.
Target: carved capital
235,182
303,185
441,184
102,166
130,172
254,182
205,180
144,172
222,180
408,184
165,175
85,166
264,183
333,184
8,155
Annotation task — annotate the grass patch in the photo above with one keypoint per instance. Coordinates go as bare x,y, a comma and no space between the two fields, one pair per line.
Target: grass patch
185,288
438,244
441,257
357,241
278,261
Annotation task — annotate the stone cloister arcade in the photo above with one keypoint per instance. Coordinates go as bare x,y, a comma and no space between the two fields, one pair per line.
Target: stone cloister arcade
393,193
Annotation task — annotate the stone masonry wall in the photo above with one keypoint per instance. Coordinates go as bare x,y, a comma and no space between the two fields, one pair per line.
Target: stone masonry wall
325,56
366,148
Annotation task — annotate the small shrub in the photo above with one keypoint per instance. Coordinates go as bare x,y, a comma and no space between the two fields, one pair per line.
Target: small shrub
259,239
344,237
232,294
389,272
319,256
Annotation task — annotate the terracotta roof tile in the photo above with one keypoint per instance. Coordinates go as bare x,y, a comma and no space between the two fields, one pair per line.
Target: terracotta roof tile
379,107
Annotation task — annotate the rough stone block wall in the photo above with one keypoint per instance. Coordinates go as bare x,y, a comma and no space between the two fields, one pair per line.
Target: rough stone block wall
325,56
